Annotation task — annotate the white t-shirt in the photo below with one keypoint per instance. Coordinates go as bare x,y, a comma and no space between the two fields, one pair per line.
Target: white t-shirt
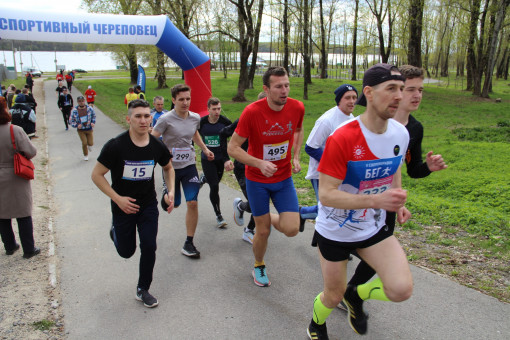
177,135
366,163
324,126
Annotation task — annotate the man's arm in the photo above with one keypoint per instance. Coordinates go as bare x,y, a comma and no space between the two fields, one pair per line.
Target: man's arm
234,150
392,199
298,142
198,141
125,203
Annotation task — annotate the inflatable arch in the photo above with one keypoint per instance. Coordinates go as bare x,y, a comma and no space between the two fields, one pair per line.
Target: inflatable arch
115,29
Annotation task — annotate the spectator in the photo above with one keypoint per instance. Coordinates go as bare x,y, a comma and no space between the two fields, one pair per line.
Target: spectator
16,193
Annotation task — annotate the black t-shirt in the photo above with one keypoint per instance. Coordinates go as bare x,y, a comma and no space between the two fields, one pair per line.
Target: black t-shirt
132,167
416,168
211,135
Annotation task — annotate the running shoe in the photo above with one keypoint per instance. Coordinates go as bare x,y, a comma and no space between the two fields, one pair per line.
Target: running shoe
203,180
342,306
238,213
190,250
317,332
89,148
356,316
13,250
220,222
147,299
248,235
85,158
260,276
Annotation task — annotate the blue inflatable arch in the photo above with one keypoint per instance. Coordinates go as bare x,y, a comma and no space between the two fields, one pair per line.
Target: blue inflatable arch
115,29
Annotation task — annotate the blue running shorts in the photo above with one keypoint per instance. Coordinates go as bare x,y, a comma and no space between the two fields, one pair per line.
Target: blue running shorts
283,194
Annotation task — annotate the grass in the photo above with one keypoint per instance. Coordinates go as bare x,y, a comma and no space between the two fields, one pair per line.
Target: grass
44,325
471,133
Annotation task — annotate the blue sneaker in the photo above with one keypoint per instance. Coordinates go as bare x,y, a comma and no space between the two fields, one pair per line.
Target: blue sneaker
260,276
238,213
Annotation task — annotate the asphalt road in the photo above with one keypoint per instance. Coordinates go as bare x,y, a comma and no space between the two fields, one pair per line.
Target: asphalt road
214,297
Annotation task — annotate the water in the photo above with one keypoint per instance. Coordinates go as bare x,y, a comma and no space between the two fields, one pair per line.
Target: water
45,61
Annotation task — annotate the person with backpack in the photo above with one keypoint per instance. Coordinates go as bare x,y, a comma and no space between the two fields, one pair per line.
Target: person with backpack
23,116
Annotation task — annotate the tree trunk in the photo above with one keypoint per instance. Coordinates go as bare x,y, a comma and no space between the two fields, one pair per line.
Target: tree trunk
473,36
354,42
251,74
285,23
491,51
160,70
306,49
133,63
415,32
323,64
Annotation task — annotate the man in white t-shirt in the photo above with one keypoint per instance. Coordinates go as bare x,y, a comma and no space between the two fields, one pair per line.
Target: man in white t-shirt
360,179
345,98
179,129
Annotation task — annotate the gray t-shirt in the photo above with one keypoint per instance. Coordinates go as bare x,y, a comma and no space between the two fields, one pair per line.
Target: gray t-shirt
177,135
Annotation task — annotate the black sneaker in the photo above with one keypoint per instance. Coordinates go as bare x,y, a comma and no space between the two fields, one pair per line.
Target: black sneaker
203,180
32,253
301,221
356,316
147,299
190,250
12,251
342,306
317,332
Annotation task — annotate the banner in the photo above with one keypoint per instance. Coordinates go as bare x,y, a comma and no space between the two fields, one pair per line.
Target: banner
141,78
18,24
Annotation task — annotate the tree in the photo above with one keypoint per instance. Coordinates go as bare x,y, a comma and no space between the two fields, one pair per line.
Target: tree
380,10
415,32
354,41
156,6
127,7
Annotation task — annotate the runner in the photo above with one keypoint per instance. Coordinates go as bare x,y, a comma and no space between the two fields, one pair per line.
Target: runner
240,207
90,94
158,110
83,118
131,158
179,128
210,127
345,98
416,168
273,127
359,180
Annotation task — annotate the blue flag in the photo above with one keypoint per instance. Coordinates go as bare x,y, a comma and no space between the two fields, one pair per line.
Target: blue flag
141,78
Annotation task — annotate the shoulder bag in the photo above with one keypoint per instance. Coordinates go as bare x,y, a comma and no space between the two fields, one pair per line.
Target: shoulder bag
23,167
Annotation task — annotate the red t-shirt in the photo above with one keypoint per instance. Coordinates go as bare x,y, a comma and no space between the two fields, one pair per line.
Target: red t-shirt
90,94
271,135
60,77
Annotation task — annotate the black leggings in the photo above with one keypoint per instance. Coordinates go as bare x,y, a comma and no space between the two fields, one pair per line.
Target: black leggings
241,179
66,113
26,234
213,171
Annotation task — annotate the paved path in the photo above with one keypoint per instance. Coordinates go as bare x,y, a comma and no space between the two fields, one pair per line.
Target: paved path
214,297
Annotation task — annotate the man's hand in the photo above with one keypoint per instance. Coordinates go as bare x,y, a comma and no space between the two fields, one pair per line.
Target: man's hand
127,206
403,214
209,154
435,162
296,166
169,199
391,199
267,168
229,166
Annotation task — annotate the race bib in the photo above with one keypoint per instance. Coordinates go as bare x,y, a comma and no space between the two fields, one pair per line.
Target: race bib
375,186
84,119
138,170
275,152
212,141
183,155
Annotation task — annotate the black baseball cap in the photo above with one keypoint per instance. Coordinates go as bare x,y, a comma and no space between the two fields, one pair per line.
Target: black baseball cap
377,74
80,98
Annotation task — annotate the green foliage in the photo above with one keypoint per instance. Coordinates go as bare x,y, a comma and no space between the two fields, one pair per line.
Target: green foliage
44,325
473,193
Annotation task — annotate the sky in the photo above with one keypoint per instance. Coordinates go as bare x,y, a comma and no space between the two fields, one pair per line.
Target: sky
69,6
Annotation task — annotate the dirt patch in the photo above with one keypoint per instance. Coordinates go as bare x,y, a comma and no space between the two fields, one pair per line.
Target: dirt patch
29,302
